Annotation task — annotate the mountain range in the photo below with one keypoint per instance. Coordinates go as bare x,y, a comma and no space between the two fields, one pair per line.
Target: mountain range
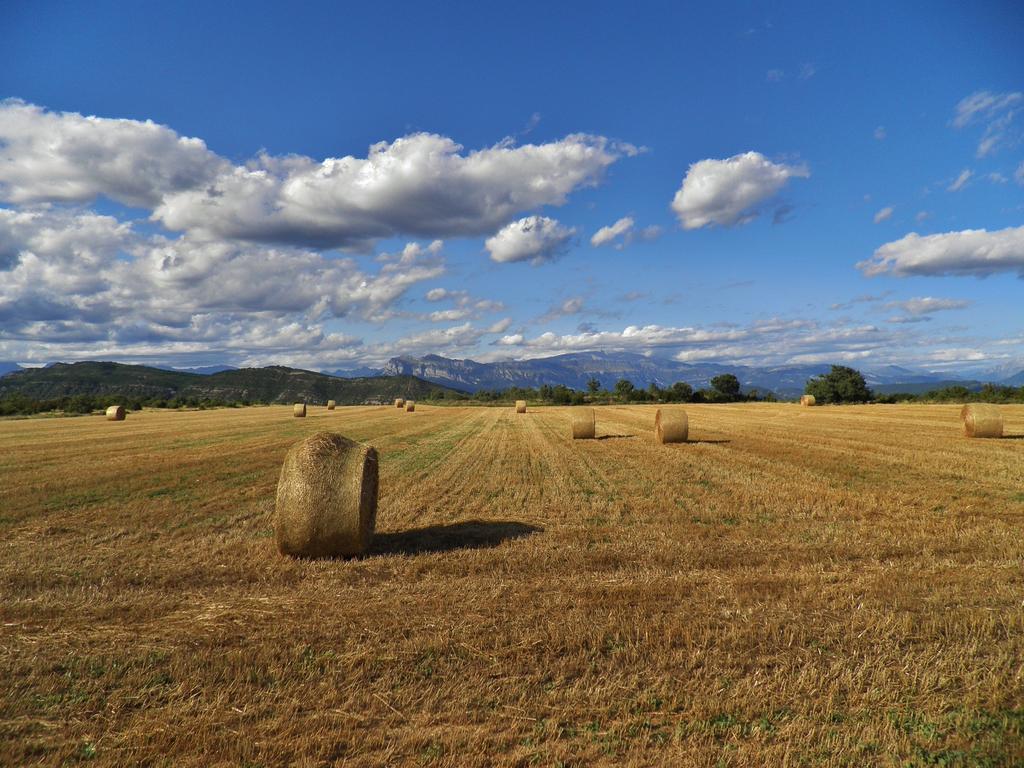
576,369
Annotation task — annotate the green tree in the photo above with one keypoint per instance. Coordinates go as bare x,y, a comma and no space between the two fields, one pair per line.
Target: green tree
561,394
624,389
593,386
680,392
80,404
840,385
727,385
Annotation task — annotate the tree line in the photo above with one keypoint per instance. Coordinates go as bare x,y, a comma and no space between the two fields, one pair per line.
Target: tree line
847,385
18,404
724,388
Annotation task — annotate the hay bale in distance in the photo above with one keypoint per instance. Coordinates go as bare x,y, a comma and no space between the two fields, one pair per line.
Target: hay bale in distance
410,405
115,413
330,405
671,426
520,406
326,497
584,424
981,420
807,400
399,402
299,410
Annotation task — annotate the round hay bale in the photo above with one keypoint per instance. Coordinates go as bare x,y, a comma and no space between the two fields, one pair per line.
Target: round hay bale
584,424
330,405
115,413
326,497
299,410
671,426
807,400
399,402
982,420
410,405
520,406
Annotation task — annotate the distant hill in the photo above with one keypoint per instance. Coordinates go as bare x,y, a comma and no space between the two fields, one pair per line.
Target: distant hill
7,366
275,384
205,370
1017,380
355,373
575,369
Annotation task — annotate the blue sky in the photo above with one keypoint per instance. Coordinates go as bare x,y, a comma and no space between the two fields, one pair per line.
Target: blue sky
761,168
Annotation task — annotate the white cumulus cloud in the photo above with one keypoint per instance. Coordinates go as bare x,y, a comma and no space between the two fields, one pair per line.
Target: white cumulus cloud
536,239
65,157
606,235
82,276
731,191
622,233
422,185
438,294
969,252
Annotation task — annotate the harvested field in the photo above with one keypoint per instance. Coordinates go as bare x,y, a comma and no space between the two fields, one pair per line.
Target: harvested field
794,586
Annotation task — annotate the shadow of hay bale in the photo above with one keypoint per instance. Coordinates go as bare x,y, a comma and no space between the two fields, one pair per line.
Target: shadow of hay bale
471,534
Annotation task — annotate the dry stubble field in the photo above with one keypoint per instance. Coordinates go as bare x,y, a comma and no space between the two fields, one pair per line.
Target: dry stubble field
828,586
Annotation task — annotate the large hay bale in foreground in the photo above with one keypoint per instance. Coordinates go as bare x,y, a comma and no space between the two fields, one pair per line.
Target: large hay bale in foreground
326,497
410,405
299,410
115,413
671,426
584,424
330,405
399,402
807,400
520,406
982,420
